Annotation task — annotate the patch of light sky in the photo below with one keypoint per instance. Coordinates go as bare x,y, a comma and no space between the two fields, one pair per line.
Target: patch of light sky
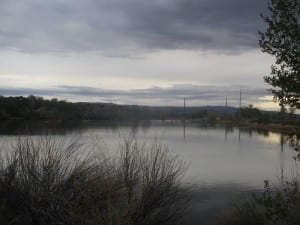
161,68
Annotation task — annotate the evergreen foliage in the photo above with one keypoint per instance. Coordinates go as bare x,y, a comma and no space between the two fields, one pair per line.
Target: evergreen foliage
282,40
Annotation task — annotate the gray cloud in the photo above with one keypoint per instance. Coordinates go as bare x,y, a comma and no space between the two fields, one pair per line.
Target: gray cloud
118,27
195,94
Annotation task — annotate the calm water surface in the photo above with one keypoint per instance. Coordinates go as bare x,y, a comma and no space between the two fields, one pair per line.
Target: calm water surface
225,163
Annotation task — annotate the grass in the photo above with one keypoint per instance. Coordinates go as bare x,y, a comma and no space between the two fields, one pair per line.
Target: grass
49,181
275,206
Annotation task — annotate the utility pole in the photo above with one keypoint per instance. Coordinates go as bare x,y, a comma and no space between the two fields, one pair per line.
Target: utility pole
225,113
240,110
184,111
240,99
225,117
184,114
240,115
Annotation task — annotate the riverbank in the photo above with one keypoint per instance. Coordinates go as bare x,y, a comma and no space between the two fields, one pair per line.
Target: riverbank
287,128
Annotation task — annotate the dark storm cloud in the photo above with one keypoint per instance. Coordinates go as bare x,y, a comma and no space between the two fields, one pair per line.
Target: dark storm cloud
117,27
205,95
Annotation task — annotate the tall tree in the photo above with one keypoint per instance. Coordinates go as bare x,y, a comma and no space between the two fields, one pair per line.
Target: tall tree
282,40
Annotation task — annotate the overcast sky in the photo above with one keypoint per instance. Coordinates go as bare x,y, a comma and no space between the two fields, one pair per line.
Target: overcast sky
148,52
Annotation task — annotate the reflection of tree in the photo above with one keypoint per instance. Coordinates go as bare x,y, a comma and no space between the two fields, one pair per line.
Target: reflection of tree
145,125
265,133
229,129
293,140
251,131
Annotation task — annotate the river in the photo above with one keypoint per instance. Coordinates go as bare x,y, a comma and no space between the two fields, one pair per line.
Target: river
225,162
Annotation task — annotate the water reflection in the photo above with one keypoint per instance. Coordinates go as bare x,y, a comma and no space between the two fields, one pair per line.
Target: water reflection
228,130
66,127
216,152
209,203
184,129
225,160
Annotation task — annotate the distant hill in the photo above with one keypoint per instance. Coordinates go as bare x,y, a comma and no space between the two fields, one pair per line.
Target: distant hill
37,108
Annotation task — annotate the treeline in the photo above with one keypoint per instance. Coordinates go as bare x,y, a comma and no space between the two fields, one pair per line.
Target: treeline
254,115
33,107
37,108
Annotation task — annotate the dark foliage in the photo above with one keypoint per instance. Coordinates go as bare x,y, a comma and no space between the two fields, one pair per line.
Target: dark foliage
282,40
273,207
47,181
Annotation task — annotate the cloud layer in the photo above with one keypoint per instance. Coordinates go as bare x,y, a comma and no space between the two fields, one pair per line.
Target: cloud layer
119,27
167,96
60,48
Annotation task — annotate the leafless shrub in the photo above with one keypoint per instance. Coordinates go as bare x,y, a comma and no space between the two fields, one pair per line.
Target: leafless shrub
47,181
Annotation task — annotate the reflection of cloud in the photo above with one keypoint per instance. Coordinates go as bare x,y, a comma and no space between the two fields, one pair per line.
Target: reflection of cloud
195,94
119,27
273,138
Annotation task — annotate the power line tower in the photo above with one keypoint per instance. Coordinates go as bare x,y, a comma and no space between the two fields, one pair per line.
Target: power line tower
240,106
184,115
226,105
240,99
184,108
